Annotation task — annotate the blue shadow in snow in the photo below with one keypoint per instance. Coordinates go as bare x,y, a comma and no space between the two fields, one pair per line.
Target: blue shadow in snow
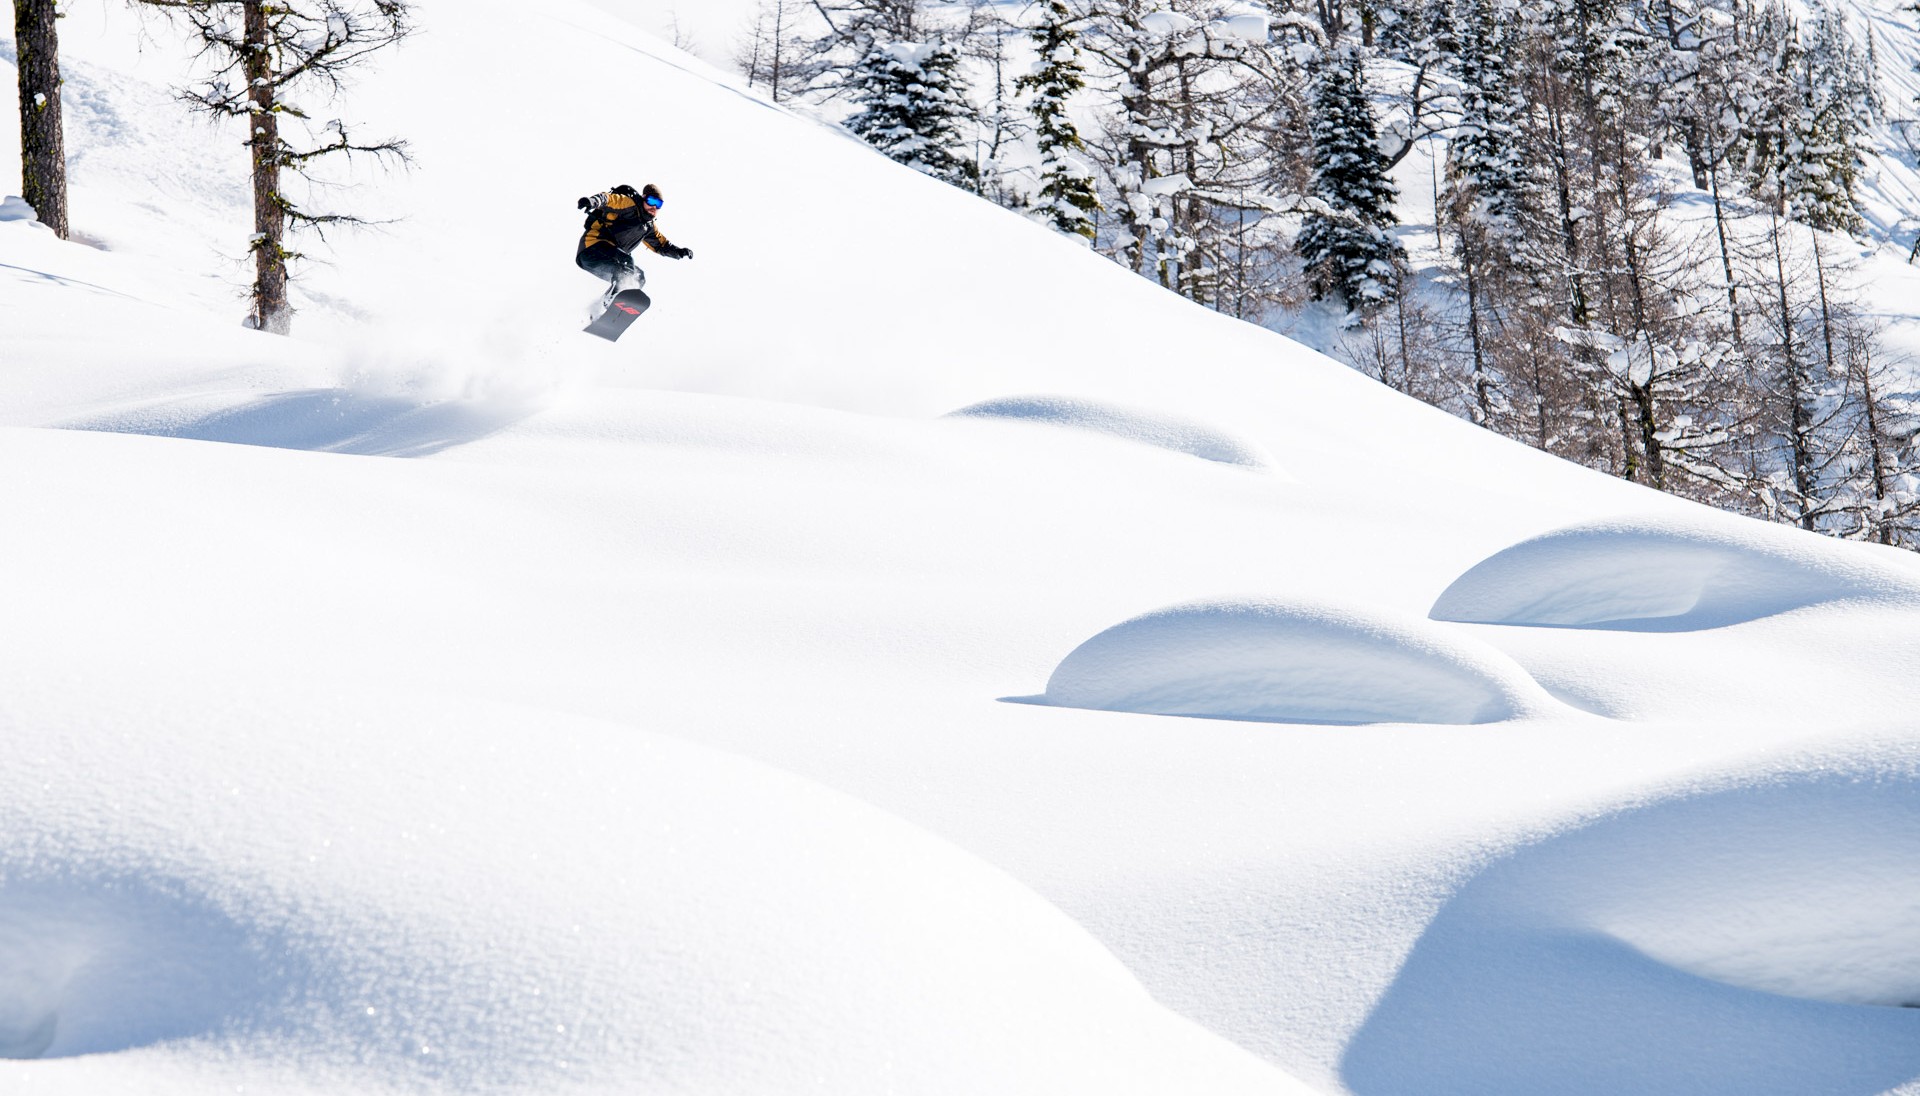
96,964
1528,982
338,421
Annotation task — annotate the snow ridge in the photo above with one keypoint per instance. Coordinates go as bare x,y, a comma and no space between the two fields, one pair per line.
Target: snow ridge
1294,661
1655,574
1161,429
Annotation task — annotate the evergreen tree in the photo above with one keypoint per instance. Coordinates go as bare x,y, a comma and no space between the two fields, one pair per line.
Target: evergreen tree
1348,250
1487,190
1838,104
1485,163
912,99
1809,119
1066,198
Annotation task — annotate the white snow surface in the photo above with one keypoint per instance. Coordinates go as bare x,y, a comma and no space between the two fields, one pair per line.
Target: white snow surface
441,701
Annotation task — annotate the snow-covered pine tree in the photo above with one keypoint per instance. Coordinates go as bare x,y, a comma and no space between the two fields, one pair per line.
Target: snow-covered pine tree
1487,186
912,99
1486,165
1808,121
1066,198
1839,103
1769,107
1348,250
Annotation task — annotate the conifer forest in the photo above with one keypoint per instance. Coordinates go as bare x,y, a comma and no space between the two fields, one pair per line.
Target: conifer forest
1642,218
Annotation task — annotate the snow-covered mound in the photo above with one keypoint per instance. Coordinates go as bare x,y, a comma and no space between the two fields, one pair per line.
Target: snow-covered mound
583,904
1650,574
1160,429
1754,941
1292,661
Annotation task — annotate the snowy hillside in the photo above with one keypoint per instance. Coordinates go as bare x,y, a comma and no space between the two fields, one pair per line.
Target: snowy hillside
920,657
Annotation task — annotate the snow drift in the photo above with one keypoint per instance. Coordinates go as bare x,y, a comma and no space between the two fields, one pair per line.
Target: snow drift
1156,428
583,904
1292,661
1756,940
1646,574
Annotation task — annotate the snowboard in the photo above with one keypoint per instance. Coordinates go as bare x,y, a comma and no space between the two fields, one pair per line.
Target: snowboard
626,307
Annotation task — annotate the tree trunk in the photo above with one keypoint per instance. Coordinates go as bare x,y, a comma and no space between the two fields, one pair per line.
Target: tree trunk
1400,330
1577,308
1696,156
1726,255
1826,309
778,71
1796,383
1629,453
1877,446
270,310
1482,409
1135,108
1647,421
43,154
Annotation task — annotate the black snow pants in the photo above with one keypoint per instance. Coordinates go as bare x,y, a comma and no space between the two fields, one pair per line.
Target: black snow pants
606,261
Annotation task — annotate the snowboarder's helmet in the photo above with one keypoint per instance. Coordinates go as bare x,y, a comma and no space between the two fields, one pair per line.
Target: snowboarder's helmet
650,197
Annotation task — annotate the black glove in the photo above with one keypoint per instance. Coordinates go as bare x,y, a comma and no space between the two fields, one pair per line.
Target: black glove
584,203
684,253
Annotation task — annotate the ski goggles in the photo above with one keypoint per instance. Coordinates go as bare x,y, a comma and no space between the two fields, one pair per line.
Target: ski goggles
654,201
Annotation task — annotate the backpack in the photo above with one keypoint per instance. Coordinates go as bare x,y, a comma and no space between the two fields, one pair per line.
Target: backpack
618,218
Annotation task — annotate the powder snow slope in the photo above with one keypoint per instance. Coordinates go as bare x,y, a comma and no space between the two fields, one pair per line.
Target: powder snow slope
436,702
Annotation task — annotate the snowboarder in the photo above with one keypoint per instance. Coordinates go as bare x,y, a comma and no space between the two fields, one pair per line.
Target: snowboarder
619,220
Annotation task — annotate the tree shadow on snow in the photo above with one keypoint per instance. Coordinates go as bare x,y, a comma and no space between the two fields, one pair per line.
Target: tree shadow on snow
1754,942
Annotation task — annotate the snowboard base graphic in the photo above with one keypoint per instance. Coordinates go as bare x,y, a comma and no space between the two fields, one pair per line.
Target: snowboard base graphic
626,307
